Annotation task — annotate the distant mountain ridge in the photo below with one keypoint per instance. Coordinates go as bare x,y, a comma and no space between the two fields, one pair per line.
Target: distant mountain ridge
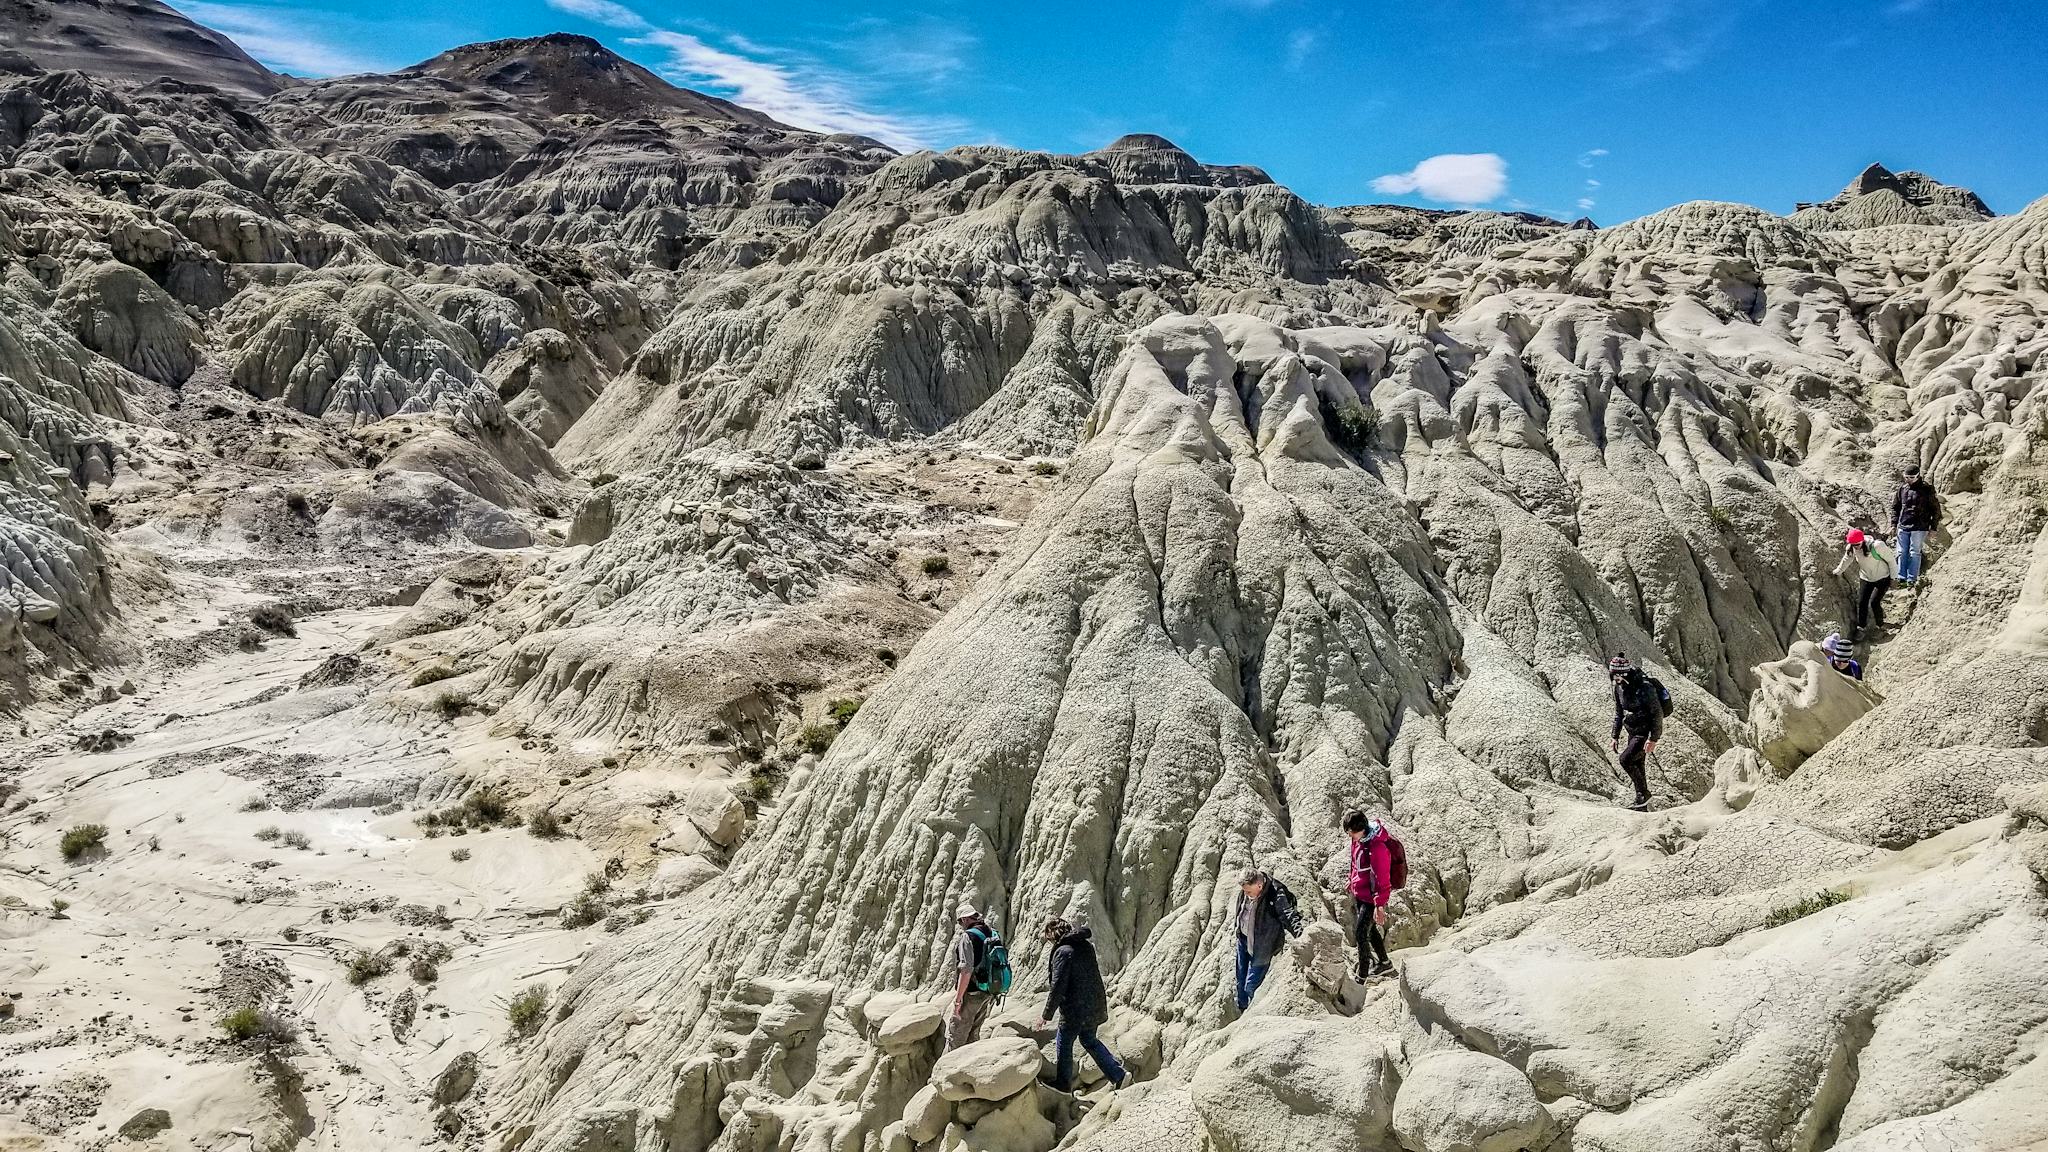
569,74
135,41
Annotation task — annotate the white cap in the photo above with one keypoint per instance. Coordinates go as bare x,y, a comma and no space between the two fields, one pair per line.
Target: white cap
967,912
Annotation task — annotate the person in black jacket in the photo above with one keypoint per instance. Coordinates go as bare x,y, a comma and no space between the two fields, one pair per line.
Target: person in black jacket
1916,512
1639,712
1264,907
1075,994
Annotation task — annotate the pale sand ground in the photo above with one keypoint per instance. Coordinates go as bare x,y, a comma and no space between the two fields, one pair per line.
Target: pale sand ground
120,986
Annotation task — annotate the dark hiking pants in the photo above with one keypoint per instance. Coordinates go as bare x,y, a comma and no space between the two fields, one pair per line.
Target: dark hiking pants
1632,755
1371,943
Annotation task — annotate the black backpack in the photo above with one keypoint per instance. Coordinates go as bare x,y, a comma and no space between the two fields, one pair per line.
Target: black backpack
1647,696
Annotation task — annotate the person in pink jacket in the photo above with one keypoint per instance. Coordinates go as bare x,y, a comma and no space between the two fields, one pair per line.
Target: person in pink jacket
1372,882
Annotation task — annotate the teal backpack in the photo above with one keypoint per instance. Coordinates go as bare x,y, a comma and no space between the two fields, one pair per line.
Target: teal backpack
992,965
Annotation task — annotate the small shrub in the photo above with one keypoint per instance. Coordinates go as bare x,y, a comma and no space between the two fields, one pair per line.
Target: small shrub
583,911
937,565
297,839
1721,520
57,906
486,806
246,1023
296,503
433,674
716,735
248,639
459,855
155,845
597,883
270,833
255,804
527,1009
545,825
842,711
1353,425
274,619
1819,901
452,704
1045,468
816,738
290,933
425,967
363,966
83,840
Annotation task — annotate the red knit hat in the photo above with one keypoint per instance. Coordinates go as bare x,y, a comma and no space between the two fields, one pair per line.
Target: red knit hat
1855,536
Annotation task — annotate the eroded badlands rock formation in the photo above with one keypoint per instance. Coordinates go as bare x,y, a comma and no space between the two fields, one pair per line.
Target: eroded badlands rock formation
553,586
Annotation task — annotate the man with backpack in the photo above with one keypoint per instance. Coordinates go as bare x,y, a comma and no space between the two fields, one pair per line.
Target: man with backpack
1378,866
1916,512
1640,705
981,963
1264,908
1076,995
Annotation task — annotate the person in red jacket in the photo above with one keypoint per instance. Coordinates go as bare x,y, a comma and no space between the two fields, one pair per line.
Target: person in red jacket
1372,882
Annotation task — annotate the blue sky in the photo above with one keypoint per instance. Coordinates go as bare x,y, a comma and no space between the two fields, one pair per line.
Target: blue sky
1609,108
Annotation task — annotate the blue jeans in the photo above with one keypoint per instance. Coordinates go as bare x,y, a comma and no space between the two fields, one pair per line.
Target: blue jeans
1912,553
1249,975
1063,1056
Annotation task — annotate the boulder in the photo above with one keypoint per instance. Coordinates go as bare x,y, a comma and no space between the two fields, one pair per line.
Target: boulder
994,1069
926,1115
146,1124
715,812
1801,703
909,1027
1468,1102
1284,1084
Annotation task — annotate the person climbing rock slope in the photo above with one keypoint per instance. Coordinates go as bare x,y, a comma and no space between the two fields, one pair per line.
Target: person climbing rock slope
1870,561
980,966
1264,908
1639,706
1916,513
1839,656
1075,994
1372,884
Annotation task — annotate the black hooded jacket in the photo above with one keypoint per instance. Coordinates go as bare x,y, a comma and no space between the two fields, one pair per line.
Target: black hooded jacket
1915,508
1636,707
1076,994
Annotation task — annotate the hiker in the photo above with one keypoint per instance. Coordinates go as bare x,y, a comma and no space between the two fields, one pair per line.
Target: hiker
1870,559
1640,704
1372,883
1840,656
1075,994
1264,907
981,965
1916,512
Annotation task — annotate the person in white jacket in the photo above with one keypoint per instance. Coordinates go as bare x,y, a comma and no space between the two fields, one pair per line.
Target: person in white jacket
1870,561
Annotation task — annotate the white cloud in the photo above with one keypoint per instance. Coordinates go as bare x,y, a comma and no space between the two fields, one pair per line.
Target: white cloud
1587,157
1585,203
813,100
1455,178
1302,47
278,39
602,12
1592,183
